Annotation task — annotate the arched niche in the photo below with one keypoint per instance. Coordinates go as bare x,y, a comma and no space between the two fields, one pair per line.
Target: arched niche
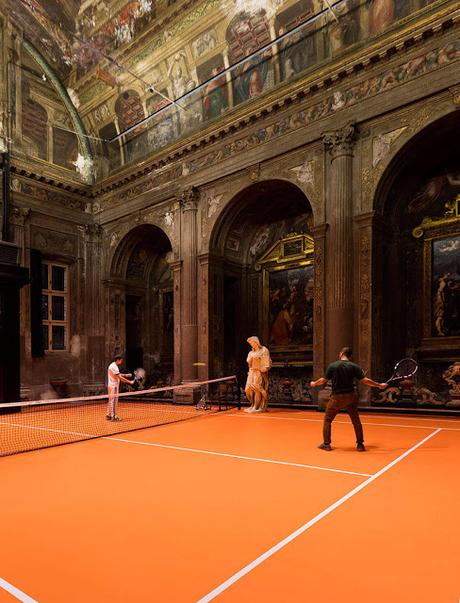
141,301
416,242
261,283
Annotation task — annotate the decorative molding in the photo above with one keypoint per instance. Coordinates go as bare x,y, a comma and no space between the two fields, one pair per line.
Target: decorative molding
383,82
46,195
48,240
450,217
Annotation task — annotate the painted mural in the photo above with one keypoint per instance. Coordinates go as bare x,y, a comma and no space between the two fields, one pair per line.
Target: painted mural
291,306
81,38
446,287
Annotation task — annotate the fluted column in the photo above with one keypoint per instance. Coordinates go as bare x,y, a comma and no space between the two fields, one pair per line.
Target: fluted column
339,145
189,315
319,235
91,316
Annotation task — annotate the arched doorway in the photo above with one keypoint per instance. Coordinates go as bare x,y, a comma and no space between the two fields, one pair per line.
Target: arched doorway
141,295
262,284
417,261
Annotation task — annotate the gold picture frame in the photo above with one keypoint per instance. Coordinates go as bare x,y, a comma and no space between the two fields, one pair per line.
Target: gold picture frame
287,299
441,237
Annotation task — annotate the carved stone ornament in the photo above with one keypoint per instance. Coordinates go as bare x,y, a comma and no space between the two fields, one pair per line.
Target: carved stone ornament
19,215
114,238
450,217
93,230
189,198
455,91
213,201
305,173
382,144
452,376
54,241
254,172
340,142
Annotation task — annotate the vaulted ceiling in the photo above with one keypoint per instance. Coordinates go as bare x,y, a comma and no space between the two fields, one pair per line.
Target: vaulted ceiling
79,33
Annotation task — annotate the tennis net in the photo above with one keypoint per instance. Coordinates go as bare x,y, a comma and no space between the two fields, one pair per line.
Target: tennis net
26,426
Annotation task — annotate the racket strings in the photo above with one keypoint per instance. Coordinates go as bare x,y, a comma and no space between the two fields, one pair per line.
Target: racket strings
405,368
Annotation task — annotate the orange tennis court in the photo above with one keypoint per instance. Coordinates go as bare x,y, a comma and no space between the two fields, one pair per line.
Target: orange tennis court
237,508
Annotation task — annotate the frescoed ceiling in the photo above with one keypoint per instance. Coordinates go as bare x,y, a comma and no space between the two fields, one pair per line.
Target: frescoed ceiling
123,60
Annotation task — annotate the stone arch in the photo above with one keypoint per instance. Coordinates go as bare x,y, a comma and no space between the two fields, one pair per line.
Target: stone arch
141,301
235,204
419,178
375,178
219,204
260,218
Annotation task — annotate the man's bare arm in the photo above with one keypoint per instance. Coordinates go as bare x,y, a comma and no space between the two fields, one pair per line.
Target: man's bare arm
318,382
123,379
371,383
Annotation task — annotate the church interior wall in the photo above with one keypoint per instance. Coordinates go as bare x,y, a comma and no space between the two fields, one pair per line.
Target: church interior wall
386,102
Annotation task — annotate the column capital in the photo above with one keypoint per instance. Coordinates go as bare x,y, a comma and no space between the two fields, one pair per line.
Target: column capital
19,215
189,199
92,230
340,142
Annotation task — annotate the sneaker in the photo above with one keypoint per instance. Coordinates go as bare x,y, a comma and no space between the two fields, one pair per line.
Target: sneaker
116,418
360,448
324,446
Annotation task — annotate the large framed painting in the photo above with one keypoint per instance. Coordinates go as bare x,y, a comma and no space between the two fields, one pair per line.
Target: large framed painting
441,280
445,287
287,298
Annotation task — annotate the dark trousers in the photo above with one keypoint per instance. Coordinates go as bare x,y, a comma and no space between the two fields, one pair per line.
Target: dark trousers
338,402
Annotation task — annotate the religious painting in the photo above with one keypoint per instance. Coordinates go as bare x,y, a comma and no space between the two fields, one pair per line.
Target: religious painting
65,148
162,127
287,298
290,308
382,13
110,150
345,31
446,287
245,34
182,83
297,52
215,93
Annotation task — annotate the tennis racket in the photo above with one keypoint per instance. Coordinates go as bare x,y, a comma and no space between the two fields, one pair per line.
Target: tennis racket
404,369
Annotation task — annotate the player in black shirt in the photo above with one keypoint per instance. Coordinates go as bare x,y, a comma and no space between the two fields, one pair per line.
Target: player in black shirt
343,373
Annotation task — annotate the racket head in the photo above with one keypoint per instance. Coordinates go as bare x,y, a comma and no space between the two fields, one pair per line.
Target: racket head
405,368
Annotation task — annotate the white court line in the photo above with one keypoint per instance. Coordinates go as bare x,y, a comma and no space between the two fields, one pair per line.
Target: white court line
246,458
34,427
235,456
18,594
258,417
248,568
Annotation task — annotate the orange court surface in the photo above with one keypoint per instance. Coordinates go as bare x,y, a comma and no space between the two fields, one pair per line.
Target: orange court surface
237,508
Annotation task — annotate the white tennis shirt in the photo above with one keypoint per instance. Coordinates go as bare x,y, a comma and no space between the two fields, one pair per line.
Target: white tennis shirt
112,373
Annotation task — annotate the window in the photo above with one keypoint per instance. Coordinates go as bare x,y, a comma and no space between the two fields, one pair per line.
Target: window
55,315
